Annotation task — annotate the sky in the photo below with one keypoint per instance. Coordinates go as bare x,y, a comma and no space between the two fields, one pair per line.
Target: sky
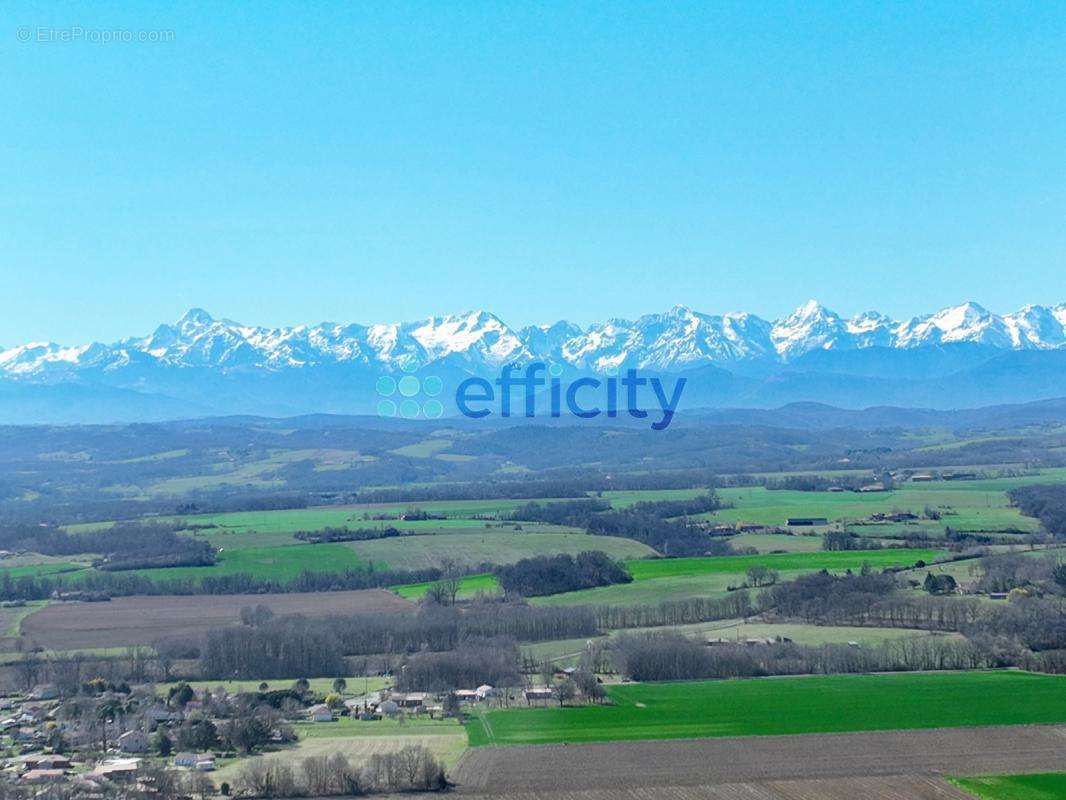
280,163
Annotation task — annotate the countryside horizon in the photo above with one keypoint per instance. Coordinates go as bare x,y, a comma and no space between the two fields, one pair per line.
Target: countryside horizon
533,401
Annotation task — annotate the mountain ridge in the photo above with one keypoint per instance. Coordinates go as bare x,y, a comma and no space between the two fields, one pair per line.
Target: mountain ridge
959,357
678,339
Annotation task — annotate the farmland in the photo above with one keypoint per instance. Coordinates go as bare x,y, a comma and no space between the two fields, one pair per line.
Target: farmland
1042,786
358,740
788,706
129,621
965,505
740,630
881,765
468,587
655,580
806,562
470,550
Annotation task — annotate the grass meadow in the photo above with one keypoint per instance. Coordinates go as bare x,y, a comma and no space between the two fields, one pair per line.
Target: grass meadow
778,706
1041,786
965,505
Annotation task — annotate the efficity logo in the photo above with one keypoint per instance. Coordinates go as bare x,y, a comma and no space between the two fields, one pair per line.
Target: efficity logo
540,392
584,398
409,397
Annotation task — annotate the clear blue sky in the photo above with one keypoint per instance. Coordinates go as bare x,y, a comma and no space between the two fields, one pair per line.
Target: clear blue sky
376,161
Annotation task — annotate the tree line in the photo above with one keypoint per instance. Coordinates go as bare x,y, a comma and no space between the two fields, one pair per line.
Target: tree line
544,575
658,524
112,584
1045,502
317,647
662,656
125,545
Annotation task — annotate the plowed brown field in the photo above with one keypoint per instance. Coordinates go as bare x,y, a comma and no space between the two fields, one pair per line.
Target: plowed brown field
549,770
127,621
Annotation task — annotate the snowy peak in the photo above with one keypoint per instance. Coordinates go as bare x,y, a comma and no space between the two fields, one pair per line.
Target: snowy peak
810,327
1037,327
968,322
678,339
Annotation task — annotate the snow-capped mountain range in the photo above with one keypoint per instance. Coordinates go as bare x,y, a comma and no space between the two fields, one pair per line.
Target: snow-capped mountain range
679,339
963,356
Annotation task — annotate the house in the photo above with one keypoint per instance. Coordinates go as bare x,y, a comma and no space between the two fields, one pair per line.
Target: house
44,691
46,761
537,694
806,521
162,714
320,713
185,760
43,775
117,769
204,762
409,700
484,692
133,742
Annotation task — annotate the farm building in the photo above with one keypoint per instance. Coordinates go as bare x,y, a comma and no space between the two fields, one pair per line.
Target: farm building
320,713
205,762
539,694
484,692
806,521
465,695
117,769
46,761
43,775
133,742
923,477
409,700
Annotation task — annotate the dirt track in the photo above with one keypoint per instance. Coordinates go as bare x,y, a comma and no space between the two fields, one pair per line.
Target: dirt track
760,763
127,621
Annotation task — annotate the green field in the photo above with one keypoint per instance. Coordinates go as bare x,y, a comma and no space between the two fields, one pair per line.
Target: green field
491,547
457,513
649,569
1042,786
656,580
653,591
469,586
777,542
267,563
623,499
968,505
965,505
568,650
41,570
773,706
